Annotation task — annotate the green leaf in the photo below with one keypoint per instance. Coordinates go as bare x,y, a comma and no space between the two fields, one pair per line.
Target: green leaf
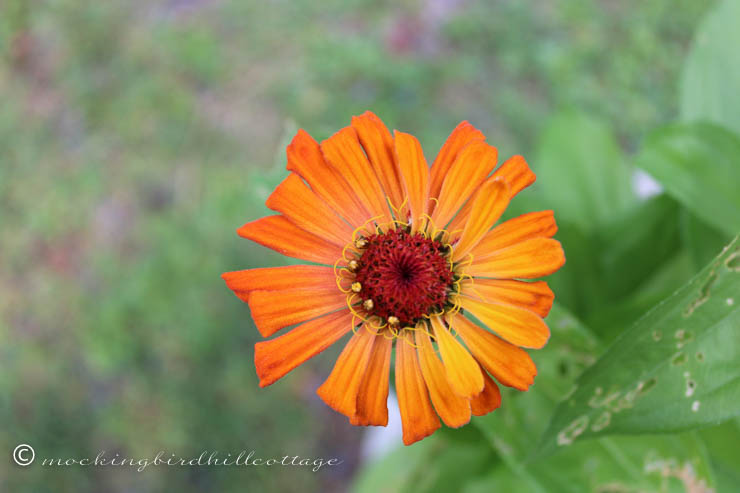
612,263
699,165
710,83
635,244
581,171
514,428
676,368
577,283
613,317
723,453
502,478
392,472
703,241
442,462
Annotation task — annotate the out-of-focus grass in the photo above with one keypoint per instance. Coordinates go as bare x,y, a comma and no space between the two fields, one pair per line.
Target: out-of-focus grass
129,132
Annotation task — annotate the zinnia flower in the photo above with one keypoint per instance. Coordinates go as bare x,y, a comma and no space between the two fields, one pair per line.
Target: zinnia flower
407,255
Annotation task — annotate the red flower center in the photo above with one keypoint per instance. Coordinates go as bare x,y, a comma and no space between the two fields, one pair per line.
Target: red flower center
405,275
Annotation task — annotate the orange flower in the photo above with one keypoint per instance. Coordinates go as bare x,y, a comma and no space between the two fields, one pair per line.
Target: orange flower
406,252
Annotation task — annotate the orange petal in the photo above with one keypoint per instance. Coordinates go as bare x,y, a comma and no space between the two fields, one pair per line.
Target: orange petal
461,218
489,203
453,409
488,400
509,364
532,258
417,416
463,134
534,296
306,159
303,207
281,235
273,359
414,175
463,373
273,310
457,225
242,282
531,225
378,144
517,325
372,398
344,152
470,169
517,174
339,391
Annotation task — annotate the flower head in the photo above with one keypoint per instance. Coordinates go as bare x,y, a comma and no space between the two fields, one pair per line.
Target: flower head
407,255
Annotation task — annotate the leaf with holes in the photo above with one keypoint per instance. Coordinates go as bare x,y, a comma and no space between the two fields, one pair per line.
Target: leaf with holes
667,463
676,368
644,463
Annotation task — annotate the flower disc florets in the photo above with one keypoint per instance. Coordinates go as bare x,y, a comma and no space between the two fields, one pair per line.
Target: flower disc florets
406,276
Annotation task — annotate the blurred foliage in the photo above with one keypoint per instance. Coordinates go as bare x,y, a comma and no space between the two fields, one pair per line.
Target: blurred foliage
138,135
711,74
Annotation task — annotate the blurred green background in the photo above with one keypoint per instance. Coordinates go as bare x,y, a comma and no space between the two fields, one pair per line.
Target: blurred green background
136,137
